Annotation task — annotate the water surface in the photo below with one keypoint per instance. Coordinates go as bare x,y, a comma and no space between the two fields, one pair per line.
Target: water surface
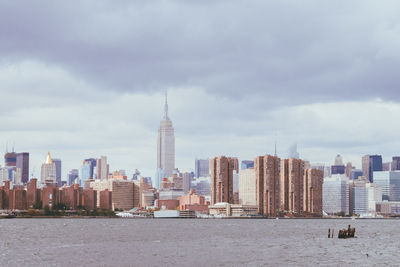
191,242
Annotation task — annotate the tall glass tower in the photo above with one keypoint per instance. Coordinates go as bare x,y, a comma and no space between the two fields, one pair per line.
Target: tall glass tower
166,144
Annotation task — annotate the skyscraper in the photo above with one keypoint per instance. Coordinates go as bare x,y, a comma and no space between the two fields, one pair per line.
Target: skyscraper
166,144
48,171
338,160
58,170
102,168
370,164
10,159
291,185
202,168
72,175
267,169
396,164
23,164
221,169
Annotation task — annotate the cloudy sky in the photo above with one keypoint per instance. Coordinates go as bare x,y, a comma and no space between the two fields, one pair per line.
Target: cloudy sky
88,79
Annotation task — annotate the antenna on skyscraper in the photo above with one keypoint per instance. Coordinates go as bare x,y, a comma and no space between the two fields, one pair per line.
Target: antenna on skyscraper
13,147
275,145
166,106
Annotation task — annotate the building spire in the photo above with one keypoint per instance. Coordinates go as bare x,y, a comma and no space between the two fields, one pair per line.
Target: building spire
166,107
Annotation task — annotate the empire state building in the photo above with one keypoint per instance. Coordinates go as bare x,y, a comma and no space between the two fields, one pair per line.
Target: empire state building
166,144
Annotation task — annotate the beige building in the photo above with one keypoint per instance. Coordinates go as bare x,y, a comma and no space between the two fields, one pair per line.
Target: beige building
224,209
123,192
247,187
48,171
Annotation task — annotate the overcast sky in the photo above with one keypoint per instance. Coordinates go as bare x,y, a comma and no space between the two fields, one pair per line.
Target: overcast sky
88,79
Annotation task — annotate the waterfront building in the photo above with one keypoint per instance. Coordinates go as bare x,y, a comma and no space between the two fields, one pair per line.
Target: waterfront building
291,185
224,209
268,184
148,196
32,193
247,187
390,184
336,194
89,200
102,168
166,144
246,164
388,208
48,171
312,191
122,192
371,164
105,200
49,194
202,168
57,162
22,163
193,201
221,169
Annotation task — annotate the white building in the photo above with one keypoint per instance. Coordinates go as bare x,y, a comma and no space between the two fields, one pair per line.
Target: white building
166,145
247,187
336,194
389,181
49,170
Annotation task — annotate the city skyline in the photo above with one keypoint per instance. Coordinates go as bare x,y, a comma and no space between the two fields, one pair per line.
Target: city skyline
235,87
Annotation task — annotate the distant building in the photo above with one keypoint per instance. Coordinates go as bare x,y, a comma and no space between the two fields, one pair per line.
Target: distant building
246,164
224,209
338,160
202,186
193,201
355,174
396,164
202,168
247,187
387,166
10,159
363,197
390,184
102,168
72,176
292,153
166,144
338,169
221,169
58,170
187,181
371,164
336,194
22,163
48,171
349,168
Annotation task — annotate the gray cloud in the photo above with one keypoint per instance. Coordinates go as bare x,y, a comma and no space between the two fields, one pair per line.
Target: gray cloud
284,51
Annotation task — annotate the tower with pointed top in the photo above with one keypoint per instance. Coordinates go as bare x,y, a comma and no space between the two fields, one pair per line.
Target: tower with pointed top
49,170
165,145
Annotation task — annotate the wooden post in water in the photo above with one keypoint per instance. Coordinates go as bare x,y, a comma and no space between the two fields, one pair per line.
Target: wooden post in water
329,233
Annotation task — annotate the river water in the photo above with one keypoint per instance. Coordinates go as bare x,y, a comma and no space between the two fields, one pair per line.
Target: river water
196,242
